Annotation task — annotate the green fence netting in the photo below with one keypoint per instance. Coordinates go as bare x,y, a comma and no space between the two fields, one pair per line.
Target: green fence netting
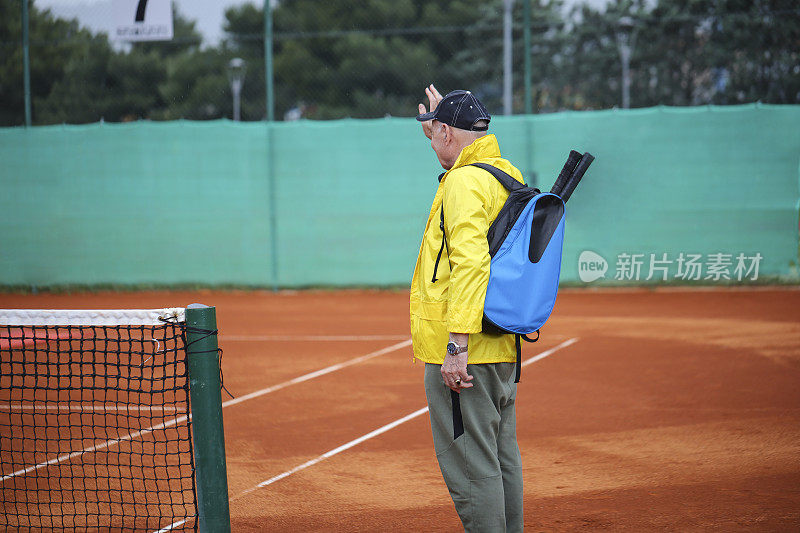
190,202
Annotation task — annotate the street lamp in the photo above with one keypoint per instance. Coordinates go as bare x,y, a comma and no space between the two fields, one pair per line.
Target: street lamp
625,41
236,70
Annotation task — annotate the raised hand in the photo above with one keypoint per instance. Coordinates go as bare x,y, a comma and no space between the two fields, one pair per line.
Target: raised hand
433,100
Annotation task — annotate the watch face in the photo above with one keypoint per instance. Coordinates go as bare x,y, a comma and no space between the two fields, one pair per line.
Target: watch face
452,348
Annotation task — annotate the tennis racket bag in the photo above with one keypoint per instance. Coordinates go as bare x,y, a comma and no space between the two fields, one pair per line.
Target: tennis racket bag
525,244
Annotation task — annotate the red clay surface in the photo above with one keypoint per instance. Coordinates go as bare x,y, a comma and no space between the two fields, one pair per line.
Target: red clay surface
675,410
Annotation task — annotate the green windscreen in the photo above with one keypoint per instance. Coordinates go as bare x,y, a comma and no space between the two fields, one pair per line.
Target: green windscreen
189,202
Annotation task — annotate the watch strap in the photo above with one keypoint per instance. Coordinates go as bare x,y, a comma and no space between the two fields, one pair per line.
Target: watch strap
459,348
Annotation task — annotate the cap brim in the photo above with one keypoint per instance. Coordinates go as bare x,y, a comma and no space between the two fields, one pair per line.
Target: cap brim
424,117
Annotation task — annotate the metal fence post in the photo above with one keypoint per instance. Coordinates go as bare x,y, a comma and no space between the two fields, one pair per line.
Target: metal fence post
508,75
26,62
268,60
526,17
209,439
526,11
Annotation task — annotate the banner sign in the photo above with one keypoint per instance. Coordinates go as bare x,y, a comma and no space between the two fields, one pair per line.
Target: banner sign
142,20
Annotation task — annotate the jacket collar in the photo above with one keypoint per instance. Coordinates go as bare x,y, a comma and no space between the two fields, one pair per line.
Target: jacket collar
485,147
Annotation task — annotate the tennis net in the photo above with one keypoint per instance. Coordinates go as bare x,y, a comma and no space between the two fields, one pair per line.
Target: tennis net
95,421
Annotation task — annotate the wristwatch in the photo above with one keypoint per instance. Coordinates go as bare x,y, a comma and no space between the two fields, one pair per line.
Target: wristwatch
455,349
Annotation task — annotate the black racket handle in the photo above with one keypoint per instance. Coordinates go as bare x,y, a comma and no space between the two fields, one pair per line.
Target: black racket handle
576,176
563,176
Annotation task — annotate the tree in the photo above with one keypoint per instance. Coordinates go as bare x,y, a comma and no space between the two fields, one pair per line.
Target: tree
686,52
76,76
119,86
754,49
335,61
477,62
196,87
53,44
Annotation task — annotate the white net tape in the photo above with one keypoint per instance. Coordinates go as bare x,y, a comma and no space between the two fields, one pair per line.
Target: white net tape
90,317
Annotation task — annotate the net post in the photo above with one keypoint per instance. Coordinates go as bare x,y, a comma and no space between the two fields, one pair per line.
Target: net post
209,439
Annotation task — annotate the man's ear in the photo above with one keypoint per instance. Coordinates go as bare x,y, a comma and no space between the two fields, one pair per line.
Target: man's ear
448,133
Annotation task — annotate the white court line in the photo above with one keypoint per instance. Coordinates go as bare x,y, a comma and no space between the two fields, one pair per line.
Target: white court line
384,429
106,444
317,373
320,338
338,450
174,421
172,526
552,350
359,440
79,407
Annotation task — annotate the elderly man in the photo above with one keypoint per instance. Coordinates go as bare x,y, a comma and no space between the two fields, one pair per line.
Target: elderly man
469,375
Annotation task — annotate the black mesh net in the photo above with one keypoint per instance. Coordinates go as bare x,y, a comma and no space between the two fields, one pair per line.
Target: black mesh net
94,428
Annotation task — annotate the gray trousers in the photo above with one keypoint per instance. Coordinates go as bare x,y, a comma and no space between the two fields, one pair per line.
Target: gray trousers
481,464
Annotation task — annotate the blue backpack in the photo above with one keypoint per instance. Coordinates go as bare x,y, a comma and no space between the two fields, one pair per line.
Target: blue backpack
525,244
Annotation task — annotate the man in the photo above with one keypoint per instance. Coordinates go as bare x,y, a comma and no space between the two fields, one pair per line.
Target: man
469,375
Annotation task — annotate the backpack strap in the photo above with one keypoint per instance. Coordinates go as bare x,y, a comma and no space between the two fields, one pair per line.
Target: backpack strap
442,247
458,421
528,339
518,345
504,178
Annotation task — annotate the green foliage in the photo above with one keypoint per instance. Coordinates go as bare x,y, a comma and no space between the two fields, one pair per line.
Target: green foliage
194,88
333,60
77,77
11,92
688,52
54,43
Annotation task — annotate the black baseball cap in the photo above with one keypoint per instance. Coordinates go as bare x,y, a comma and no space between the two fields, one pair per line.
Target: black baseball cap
460,109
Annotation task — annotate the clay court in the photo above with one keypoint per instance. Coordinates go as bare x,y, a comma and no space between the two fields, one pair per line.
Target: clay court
670,409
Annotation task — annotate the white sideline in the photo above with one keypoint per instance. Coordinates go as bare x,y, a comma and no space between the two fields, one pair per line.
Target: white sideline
234,401
385,428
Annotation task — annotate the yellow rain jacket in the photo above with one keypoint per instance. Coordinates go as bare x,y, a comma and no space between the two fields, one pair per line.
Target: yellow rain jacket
472,199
